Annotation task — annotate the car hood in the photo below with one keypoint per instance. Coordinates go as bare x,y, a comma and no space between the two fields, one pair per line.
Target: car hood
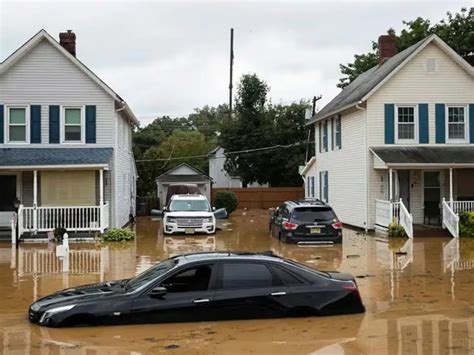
80,294
188,214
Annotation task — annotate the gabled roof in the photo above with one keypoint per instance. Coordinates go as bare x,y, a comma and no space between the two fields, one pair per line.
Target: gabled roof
308,165
169,171
44,35
368,82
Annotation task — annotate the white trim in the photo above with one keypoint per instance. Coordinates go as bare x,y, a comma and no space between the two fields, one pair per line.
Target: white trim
53,167
6,132
337,117
63,122
308,165
415,122
466,124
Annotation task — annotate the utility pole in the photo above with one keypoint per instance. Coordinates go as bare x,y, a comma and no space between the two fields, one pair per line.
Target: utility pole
315,99
231,70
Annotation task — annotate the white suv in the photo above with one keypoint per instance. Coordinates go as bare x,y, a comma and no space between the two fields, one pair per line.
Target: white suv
189,214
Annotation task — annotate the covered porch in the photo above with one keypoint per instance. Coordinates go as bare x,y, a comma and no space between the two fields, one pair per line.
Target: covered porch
42,197
424,186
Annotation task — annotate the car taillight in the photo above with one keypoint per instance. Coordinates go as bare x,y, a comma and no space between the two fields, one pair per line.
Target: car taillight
353,287
289,225
337,225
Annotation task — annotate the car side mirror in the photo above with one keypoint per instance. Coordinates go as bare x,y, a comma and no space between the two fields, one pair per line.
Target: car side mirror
165,208
158,291
213,208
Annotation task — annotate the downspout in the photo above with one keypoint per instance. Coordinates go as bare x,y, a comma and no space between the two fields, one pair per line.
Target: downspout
367,176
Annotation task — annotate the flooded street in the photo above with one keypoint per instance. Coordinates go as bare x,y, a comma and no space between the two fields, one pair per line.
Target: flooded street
419,296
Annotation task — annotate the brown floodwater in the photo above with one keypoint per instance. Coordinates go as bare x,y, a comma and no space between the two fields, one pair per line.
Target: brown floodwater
419,296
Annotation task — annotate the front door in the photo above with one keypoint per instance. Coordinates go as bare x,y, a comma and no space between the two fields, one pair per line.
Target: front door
404,187
7,197
432,197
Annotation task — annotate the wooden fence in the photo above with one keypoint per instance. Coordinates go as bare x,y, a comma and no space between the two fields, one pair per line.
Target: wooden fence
262,197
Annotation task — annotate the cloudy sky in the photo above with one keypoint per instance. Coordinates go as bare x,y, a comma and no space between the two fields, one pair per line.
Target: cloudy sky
167,58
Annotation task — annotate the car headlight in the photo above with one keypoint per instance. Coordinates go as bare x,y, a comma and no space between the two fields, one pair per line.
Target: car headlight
171,220
208,220
52,311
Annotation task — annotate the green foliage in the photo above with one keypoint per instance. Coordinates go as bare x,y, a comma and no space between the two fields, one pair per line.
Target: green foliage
118,235
456,30
466,224
396,230
257,123
227,200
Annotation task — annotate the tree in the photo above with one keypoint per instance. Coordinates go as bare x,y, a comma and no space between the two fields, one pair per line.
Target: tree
259,124
456,30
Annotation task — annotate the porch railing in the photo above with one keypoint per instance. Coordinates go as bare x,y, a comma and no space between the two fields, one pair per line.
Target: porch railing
406,220
72,218
450,219
386,212
458,206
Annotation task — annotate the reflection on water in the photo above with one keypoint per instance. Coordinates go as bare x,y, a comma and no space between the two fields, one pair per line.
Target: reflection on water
418,295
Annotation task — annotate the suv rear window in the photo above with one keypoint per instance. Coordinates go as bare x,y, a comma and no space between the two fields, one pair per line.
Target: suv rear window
313,214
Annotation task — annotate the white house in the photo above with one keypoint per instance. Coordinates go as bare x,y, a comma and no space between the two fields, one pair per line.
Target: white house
399,140
220,177
65,142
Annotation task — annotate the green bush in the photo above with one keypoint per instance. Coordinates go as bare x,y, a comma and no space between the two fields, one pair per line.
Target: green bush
118,235
466,224
396,230
227,200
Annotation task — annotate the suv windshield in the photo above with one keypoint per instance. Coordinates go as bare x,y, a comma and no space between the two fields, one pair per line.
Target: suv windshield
189,205
313,214
152,273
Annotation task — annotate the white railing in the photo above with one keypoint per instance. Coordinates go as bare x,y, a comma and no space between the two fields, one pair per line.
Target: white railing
406,220
458,206
13,224
450,220
72,218
386,212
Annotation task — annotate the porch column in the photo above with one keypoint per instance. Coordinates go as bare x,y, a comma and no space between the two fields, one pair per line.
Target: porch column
390,184
35,200
101,187
451,187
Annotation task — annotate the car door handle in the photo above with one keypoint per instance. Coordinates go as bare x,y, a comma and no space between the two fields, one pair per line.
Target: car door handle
201,300
282,293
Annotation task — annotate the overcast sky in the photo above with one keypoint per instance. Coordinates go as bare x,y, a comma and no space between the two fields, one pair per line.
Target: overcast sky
168,58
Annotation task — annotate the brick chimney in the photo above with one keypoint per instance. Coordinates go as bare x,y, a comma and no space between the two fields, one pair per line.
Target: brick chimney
68,41
387,48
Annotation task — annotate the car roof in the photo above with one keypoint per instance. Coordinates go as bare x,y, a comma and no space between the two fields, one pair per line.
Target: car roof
231,255
188,197
306,203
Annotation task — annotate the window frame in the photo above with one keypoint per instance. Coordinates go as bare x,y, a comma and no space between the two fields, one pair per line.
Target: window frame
416,120
337,142
63,124
466,124
325,136
323,188
27,124
219,282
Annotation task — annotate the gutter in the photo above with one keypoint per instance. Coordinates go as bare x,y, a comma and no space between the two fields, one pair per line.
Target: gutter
367,173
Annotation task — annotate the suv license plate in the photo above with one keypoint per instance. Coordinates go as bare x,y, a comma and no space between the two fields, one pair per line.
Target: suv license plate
189,230
315,230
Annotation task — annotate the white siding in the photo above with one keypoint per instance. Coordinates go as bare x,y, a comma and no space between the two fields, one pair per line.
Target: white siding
347,169
44,76
219,175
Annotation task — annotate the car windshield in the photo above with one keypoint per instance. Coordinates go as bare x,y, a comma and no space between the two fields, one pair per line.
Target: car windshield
152,273
189,205
313,214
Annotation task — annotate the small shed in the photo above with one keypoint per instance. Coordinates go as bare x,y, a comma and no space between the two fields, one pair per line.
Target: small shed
182,174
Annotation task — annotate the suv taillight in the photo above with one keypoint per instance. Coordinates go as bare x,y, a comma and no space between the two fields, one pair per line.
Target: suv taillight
289,225
337,225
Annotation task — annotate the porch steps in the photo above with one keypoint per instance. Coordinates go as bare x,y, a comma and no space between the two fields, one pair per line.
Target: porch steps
429,231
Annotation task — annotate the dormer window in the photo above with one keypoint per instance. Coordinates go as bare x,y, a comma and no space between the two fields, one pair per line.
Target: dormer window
406,125
457,124
73,124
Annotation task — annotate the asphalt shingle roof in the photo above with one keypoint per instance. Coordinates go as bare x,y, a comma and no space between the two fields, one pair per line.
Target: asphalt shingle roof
54,156
365,82
426,154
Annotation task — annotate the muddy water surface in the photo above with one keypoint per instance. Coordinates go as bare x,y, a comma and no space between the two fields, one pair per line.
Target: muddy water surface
419,296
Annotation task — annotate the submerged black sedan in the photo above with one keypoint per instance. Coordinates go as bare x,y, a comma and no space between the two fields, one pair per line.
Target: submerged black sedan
202,287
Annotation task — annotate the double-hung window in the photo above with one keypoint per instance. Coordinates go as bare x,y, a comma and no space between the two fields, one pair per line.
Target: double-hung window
457,124
73,124
337,133
406,125
18,123
324,186
310,187
325,136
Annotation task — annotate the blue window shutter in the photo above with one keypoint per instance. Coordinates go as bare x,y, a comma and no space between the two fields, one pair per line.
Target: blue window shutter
332,133
90,124
471,123
389,123
321,185
320,138
340,132
54,124
2,122
326,180
440,123
423,124
35,124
